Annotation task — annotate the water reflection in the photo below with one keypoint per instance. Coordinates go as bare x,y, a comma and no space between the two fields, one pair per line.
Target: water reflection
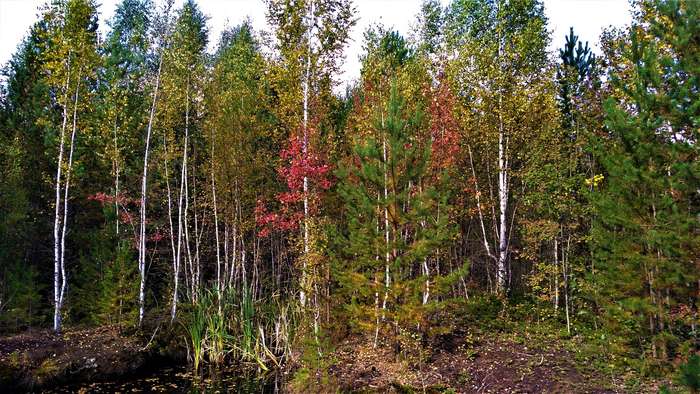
182,380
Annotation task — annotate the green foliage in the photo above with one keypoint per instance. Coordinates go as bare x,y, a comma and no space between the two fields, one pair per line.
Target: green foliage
196,326
21,297
24,168
119,289
645,235
689,374
239,329
577,63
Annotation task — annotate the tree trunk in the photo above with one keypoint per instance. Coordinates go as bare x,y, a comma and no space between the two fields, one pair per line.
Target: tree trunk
503,205
387,276
65,195
116,177
305,150
219,284
142,208
57,278
556,276
173,307
502,185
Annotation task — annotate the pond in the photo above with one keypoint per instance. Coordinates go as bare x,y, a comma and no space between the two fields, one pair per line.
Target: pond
181,380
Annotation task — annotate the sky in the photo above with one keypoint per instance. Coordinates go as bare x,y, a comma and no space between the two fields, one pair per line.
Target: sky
588,17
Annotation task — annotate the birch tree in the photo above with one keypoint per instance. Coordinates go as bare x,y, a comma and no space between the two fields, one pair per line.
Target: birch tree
71,65
161,34
183,76
243,170
501,73
124,97
311,36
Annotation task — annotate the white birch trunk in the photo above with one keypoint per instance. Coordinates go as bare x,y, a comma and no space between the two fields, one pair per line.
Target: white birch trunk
556,276
387,276
182,193
116,178
57,278
487,246
502,187
503,207
305,149
173,306
426,272
65,195
178,255
142,208
226,256
219,284
376,280
565,269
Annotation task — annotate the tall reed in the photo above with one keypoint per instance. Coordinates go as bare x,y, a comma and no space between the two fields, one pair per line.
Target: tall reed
236,327
196,331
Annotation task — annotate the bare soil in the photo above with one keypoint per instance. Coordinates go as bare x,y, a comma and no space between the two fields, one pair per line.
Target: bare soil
463,364
36,359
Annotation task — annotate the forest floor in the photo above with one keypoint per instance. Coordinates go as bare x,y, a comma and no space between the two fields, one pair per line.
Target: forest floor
465,364
477,361
530,358
39,358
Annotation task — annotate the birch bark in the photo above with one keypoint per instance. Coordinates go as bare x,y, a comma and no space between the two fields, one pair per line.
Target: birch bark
57,278
142,208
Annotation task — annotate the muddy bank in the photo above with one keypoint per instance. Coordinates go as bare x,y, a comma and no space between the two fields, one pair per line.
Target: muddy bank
39,359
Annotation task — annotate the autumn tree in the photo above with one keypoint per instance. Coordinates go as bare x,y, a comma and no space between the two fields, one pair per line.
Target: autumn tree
311,36
180,125
243,146
503,79
71,65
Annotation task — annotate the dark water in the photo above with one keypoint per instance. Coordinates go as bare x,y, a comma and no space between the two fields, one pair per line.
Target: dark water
182,380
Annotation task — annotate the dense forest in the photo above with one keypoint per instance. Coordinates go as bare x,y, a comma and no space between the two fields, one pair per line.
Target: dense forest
469,181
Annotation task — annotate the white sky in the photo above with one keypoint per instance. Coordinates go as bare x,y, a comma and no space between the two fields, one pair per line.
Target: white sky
588,17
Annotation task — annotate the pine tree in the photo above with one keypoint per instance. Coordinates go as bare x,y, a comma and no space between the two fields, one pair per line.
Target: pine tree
576,64
21,297
558,214
414,232
645,234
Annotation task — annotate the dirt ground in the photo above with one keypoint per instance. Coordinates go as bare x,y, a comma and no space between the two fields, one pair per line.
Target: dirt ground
35,359
463,365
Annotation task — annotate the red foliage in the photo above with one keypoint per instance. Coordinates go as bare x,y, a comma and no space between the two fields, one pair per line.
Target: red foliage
297,166
104,198
123,215
126,206
444,128
157,236
126,217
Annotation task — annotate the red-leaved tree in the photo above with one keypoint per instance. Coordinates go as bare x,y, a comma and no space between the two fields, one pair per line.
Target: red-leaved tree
296,166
